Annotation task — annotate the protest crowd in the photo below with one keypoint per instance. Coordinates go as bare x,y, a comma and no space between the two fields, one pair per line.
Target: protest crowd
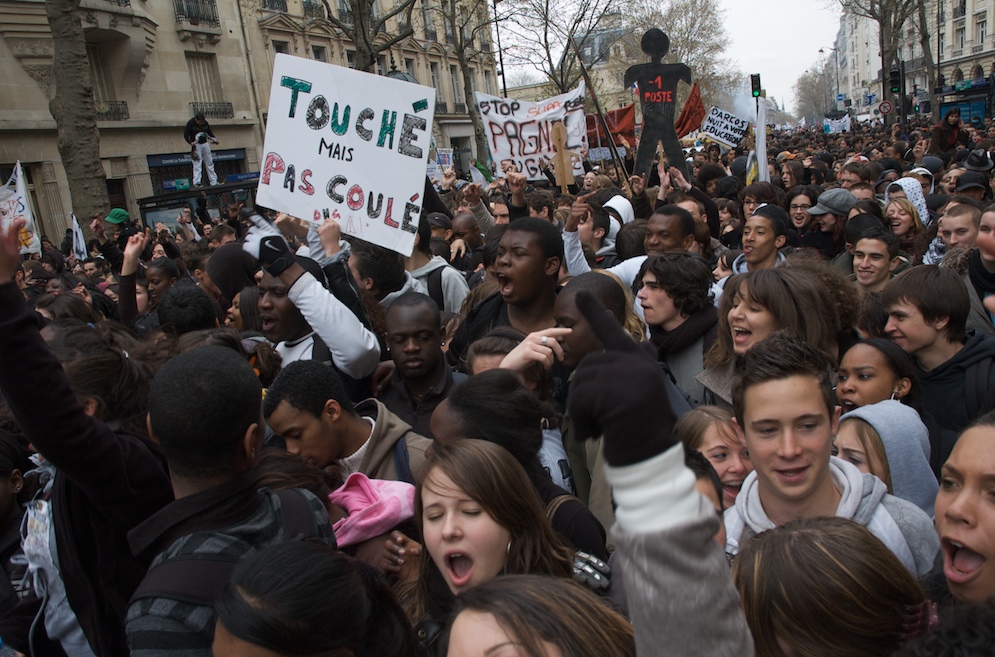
662,414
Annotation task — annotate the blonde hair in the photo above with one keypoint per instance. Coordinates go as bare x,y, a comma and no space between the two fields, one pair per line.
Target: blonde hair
917,227
633,324
870,441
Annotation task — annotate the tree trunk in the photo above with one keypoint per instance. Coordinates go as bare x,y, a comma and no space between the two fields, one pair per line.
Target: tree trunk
927,52
479,137
366,54
77,136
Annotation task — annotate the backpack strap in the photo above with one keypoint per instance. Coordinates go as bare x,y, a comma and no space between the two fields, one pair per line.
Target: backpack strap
555,504
298,519
192,578
200,578
435,287
402,461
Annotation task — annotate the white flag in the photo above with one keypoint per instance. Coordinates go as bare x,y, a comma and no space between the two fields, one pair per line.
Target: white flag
79,242
14,205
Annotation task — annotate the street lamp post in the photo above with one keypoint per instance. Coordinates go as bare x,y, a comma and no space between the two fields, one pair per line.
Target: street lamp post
836,57
497,31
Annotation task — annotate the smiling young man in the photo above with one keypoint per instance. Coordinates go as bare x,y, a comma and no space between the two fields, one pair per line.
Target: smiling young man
786,414
875,257
308,407
927,316
422,378
764,233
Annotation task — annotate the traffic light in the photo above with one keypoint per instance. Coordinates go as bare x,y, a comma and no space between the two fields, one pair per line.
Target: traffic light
755,83
896,81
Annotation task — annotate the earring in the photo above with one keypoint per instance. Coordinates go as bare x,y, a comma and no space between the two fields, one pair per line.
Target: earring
894,394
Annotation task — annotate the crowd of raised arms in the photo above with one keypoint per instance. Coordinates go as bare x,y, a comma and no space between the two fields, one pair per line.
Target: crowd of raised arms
657,415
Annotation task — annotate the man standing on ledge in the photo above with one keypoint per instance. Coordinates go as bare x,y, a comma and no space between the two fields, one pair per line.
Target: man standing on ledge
198,134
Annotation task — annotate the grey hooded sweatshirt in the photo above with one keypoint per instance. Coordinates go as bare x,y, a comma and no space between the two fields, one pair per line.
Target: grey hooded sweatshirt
902,526
906,446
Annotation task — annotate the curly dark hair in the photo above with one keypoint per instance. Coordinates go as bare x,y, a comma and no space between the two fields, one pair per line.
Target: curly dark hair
686,277
964,630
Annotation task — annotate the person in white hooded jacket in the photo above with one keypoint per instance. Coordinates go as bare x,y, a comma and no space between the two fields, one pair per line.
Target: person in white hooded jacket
786,411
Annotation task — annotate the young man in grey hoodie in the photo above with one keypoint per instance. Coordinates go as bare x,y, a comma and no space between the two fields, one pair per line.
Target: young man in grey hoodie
786,414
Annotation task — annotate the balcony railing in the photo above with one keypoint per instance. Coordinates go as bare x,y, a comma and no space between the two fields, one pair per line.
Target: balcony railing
275,5
450,39
314,10
485,45
441,107
197,12
120,3
113,110
346,16
461,108
213,110
431,34
959,11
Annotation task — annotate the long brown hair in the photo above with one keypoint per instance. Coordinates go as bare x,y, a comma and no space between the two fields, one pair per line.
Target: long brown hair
534,609
491,476
827,587
798,300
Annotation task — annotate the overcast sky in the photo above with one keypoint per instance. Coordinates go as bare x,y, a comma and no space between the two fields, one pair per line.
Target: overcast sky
779,39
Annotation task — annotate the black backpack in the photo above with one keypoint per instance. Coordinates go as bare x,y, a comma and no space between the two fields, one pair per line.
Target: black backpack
200,578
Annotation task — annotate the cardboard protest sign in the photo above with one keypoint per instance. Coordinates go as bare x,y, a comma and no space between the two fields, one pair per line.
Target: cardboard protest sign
521,132
347,145
14,205
725,127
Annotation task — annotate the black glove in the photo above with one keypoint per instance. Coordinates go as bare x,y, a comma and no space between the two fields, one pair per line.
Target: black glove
591,571
620,393
266,244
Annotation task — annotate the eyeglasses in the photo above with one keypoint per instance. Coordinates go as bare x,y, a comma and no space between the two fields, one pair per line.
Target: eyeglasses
799,207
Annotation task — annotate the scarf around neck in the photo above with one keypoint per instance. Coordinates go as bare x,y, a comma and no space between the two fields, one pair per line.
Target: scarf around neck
694,327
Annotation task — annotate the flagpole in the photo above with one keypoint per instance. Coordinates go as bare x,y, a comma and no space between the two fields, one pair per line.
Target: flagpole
616,159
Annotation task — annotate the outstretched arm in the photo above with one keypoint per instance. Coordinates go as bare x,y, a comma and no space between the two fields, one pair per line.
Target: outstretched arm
120,473
354,348
664,528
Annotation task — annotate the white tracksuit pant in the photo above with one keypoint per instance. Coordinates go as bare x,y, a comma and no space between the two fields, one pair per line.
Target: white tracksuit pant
206,159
